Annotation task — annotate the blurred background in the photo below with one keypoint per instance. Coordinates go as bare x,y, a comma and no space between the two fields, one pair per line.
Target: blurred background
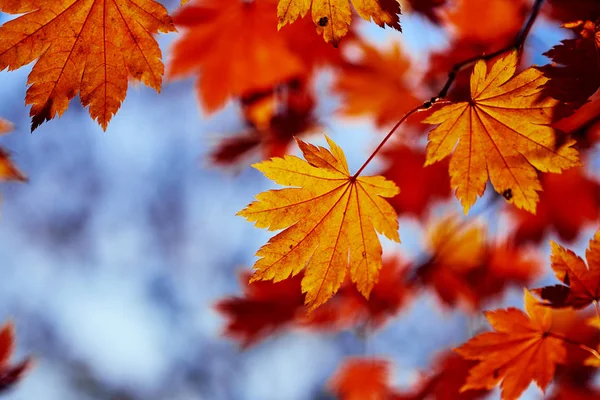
115,252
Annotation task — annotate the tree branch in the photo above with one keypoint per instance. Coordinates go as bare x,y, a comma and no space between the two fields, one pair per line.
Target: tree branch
517,44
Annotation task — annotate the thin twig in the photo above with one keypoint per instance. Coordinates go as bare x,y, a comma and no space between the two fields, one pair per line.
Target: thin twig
517,44
386,138
572,342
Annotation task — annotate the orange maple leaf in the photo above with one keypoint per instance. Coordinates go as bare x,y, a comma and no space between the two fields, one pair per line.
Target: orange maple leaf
521,349
332,17
581,283
466,269
10,374
362,378
381,72
85,47
502,134
330,218
264,58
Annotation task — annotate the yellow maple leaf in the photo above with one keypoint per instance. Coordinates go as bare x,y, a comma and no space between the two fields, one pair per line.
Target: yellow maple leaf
502,133
332,17
90,47
330,219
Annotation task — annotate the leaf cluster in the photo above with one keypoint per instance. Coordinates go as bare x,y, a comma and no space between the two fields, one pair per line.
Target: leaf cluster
477,117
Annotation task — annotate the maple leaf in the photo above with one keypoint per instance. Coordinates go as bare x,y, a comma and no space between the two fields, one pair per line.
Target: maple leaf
575,73
10,374
330,219
464,268
502,134
362,378
449,375
85,47
384,73
564,214
332,17
273,120
264,58
421,185
581,283
522,348
265,308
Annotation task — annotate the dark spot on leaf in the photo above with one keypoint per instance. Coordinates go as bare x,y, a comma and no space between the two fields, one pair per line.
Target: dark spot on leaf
495,373
323,21
291,246
364,254
567,280
507,194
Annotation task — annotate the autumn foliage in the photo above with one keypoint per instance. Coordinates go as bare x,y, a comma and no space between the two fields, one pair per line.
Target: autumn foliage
513,142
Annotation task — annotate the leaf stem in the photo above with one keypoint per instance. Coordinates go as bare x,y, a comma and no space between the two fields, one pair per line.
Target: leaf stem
517,44
575,343
386,138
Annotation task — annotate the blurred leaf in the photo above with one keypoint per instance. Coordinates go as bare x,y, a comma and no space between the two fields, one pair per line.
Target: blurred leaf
362,379
377,85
